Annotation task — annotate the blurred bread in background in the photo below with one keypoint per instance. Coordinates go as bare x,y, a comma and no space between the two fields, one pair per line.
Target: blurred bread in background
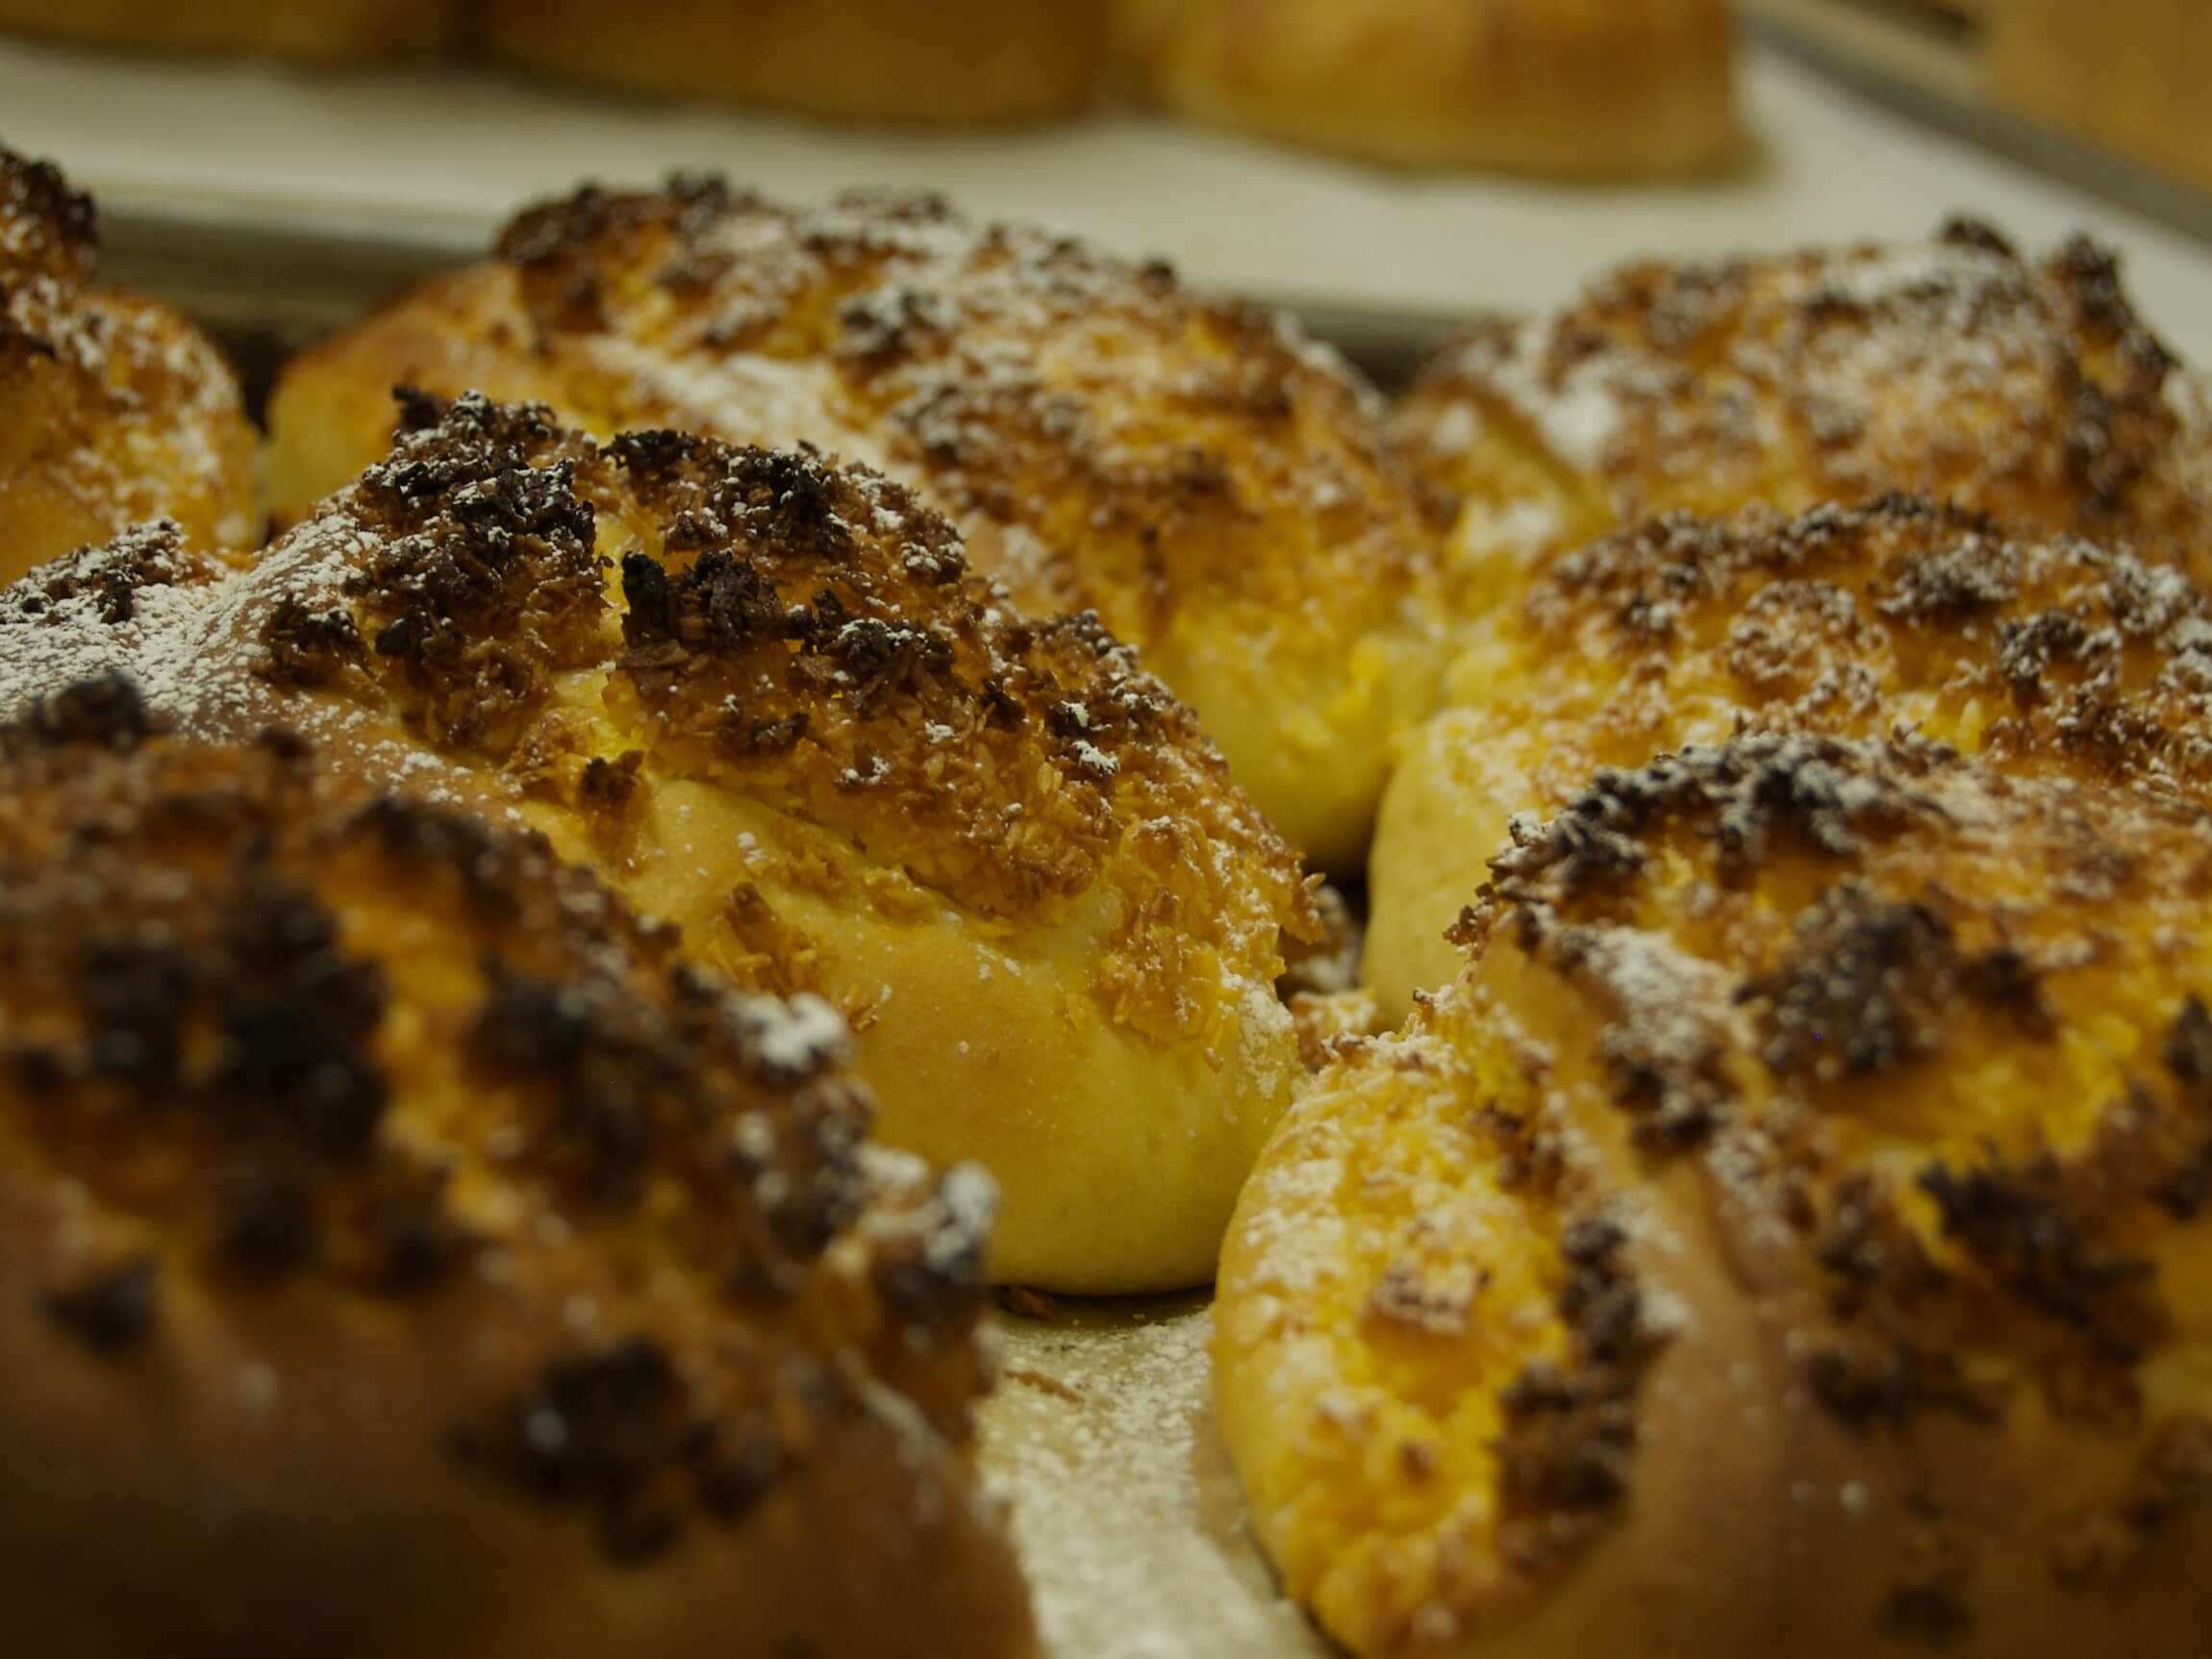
328,32
948,61
2126,74
1566,88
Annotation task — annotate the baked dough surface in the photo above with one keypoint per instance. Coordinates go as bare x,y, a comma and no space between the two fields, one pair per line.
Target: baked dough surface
2048,652
770,701
1788,1233
1214,486
402,1249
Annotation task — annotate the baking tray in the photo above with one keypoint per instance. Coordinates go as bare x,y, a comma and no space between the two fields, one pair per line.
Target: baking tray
1100,1436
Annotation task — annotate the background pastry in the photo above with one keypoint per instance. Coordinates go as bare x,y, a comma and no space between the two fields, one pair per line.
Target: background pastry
768,699
113,409
1555,87
954,61
1787,1235
401,1250
333,32
1953,369
2049,653
1215,487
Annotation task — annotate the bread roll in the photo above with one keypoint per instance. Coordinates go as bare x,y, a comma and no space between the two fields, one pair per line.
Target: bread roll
403,1251
1787,1235
325,32
112,408
1215,487
1564,87
2049,653
949,61
768,699
1953,369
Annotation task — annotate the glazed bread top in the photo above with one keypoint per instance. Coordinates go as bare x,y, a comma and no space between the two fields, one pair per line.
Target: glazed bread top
1791,1231
339,1084
1955,369
1215,487
112,408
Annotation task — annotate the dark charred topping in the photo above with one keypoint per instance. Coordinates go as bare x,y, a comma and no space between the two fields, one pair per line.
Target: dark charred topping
1869,984
1965,231
1532,1159
934,1262
615,1430
46,228
1963,571
634,1092
309,645
1892,1347
480,581
2175,1141
106,711
498,871
113,1307
2026,1228
1820,793
629,1433
2030,647
109,578
1569,1434
1670,1034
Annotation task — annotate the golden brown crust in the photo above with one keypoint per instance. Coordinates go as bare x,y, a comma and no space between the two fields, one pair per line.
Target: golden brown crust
114,411
1790,1231
1636,86
377,1188
2049,653
767,696
1214,487
1954,369
927,61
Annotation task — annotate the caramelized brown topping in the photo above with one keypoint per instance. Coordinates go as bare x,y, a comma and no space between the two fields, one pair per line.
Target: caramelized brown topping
808,636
